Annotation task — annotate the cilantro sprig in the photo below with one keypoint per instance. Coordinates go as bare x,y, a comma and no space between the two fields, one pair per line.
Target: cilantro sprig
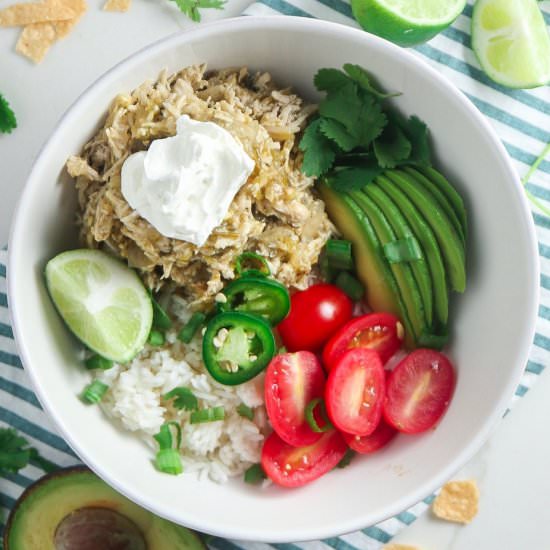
15,454
356,136
183,398
191,7
8,122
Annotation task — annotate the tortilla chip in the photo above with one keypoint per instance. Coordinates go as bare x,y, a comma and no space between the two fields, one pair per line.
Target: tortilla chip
63,28
117,5
457,501
35,40
27,14
397,546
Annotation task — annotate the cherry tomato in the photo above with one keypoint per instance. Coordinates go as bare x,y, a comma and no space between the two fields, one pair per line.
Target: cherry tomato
419,390
295,466
292,381
354,394
381,436
381,332
315,314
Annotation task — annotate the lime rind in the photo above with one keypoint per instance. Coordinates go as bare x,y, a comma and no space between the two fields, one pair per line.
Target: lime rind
425,13
102,301
511,42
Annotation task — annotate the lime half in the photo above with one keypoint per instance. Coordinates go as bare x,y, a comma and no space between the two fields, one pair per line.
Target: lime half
511,42
406,22
102,301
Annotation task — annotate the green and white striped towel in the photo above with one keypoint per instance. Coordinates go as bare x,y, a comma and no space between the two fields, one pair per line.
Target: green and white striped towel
521,119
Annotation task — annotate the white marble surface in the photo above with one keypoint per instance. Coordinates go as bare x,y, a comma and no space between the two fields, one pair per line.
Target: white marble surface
511,469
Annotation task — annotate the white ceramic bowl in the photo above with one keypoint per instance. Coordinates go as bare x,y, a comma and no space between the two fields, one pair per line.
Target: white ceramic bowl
493,321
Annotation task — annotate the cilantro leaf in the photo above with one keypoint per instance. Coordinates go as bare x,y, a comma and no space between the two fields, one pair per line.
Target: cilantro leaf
8,122
330,80
337,132
342,105
392,147
363,79
346,460
370,121
191,7
184,398
417,132
319,153
41,462
14,451
354,178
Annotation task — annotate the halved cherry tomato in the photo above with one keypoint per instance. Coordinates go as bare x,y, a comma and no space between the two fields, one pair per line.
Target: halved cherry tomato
381,332
354,393
292,380
381,436
418,391
315,314
295,466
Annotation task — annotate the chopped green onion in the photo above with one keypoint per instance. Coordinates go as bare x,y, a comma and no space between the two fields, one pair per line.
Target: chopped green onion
184,398
190,328
346,460
245,411
98,362
156,338
310,417
94,392
254,259
168,461
403,250
327,272
207,415
339,254
433,341
350,285
161,321
164,437
254,475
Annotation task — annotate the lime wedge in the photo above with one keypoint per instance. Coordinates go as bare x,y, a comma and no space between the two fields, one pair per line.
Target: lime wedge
406,22
511,42
102,301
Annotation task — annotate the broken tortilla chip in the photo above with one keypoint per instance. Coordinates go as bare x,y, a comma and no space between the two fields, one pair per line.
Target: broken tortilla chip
63,28
397,546
117,5
35,40
20,15
457,501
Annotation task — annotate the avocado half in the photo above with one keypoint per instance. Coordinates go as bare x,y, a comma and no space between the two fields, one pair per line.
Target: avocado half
73,509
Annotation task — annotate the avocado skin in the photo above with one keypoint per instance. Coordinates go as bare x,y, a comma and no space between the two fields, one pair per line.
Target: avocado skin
427,240
43,505
372,267
451,246
403,230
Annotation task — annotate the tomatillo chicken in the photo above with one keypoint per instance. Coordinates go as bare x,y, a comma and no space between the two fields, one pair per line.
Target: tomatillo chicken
236,347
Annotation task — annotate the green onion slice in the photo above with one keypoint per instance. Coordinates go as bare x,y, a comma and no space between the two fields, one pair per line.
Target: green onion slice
403,250
98,362
164,437
183,397
310,417
207,415
245,411
350,285
190,328
168,461
339,254
255,474
94,392
251,258
156,338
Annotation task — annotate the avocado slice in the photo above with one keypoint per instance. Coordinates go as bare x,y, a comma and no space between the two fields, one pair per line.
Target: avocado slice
427,240
449,241
403,230
441,198
401,271
372,268
450,192
73,509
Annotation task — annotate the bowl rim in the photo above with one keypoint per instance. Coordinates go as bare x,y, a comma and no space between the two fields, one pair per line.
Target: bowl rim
301,24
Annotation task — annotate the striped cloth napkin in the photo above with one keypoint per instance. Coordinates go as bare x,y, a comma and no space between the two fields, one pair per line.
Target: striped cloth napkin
521,119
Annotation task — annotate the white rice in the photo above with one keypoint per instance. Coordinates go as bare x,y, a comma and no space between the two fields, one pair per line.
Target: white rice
214,450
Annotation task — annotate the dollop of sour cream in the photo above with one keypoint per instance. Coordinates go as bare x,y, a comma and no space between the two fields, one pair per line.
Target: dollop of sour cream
183,185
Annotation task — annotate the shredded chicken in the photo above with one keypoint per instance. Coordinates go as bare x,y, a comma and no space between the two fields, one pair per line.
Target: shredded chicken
276,213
